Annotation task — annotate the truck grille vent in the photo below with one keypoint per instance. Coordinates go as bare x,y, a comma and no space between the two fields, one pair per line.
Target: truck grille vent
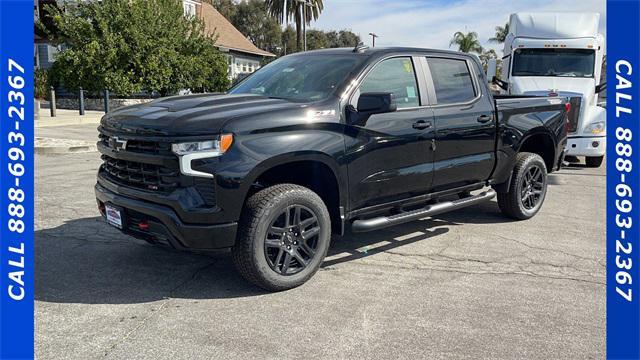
574,114
139,175
141,146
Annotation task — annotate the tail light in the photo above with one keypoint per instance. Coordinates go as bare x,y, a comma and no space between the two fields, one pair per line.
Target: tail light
567,108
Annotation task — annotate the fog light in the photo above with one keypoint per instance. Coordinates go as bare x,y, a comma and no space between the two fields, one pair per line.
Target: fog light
595,144
101,208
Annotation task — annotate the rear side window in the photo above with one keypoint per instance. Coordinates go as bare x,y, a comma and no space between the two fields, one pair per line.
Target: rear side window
452,80
395,76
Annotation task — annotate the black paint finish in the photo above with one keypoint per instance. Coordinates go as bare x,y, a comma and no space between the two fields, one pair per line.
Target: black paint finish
387,159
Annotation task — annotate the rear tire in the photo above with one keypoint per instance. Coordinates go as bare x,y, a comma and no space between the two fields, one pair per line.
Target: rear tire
594,161
527,189
284,236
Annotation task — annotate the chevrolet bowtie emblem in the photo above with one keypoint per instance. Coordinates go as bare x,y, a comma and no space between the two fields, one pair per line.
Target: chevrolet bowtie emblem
117,144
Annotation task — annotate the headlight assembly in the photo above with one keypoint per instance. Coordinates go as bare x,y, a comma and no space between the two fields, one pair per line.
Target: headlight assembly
194,150
597,128
220,145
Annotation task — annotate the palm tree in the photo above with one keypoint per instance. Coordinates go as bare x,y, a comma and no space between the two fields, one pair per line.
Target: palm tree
466,42
294,11
501,34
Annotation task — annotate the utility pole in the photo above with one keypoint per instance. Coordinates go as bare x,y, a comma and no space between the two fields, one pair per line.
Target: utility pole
373,38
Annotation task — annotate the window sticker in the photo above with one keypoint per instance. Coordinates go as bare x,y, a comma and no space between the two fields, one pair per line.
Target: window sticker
411,92
408,67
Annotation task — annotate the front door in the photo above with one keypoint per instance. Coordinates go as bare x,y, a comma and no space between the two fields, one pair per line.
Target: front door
390,157
465,124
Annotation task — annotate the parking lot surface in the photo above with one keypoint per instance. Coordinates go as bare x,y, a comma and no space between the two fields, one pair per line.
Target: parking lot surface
469,284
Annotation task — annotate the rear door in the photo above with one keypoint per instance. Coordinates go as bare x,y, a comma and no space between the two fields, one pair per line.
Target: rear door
391,156
464,120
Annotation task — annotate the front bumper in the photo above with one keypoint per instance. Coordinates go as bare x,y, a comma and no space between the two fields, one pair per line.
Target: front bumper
584,146
164,225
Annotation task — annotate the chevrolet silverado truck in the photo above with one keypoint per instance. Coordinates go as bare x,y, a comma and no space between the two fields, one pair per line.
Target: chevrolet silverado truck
317,143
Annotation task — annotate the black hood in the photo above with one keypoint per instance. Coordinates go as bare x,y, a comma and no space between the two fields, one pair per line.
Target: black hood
201,114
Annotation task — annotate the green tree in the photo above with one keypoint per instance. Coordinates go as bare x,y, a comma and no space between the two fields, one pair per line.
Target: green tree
226,8
289,45
347,38
128,46
317,39
466,42
487,55
252,19
501,34
294,11
332,39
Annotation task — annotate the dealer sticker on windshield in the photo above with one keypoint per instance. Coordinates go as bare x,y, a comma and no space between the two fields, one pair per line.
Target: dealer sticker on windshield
113,216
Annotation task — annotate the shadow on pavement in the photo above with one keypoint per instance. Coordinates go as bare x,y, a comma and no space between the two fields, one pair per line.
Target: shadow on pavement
86,261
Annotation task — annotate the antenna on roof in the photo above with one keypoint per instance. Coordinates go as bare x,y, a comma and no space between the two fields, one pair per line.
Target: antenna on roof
360,47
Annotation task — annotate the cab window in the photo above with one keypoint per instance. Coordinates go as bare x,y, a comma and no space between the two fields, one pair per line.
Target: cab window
396,76
452,80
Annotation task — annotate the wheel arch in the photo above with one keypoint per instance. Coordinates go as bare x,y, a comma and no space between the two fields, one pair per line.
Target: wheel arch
316,171
540,142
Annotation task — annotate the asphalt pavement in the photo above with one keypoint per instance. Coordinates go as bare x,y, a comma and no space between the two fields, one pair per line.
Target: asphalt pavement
469,284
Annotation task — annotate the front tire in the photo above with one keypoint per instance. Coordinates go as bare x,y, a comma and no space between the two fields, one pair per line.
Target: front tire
284,236
594,161
527,189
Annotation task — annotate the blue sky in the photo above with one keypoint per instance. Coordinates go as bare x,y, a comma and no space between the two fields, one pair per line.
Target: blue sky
431,23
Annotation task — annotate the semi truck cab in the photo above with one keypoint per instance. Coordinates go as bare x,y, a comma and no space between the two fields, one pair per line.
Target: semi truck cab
561,54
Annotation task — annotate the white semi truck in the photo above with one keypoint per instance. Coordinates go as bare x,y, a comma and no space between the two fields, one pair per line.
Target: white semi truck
561,54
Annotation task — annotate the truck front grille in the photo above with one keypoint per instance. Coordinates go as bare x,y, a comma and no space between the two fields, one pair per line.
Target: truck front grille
140,146
574,114
140,175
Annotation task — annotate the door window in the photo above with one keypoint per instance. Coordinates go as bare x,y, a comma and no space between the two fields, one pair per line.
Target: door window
452,80
396,76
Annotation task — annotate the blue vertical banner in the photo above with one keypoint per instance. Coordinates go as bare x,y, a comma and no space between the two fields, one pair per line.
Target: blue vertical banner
16,179
623,180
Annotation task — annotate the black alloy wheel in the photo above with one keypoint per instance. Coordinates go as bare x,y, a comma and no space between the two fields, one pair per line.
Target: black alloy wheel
527,187
532,187
292,240
284,234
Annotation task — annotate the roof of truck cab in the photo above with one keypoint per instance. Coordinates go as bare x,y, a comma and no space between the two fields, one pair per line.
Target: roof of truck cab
381,51
560,25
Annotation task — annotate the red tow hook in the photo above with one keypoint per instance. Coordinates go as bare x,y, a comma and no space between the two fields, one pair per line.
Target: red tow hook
143,225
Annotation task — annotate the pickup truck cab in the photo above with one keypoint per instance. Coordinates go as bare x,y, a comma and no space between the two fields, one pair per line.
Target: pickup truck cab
318,142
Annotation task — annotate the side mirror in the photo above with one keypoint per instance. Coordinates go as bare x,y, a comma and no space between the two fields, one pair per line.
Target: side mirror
370,104
502,84
600,88
376,103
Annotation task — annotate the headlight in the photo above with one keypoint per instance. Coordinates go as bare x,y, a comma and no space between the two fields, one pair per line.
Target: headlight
195,150
219,146
596,128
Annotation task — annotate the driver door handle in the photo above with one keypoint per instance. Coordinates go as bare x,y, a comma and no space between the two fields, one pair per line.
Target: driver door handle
422,124
484,118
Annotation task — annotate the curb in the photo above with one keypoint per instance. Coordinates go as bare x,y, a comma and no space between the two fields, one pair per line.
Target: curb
53,123
60,150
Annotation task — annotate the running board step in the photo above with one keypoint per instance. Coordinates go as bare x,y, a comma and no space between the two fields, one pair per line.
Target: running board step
435,209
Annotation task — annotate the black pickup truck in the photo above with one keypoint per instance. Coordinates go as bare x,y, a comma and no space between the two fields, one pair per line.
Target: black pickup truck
319,142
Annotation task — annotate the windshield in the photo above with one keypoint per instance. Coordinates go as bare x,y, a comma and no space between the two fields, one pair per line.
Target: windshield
553,62
303,78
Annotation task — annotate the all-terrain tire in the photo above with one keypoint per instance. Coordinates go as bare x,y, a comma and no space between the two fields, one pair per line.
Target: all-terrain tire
512,203
250,253
594,161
